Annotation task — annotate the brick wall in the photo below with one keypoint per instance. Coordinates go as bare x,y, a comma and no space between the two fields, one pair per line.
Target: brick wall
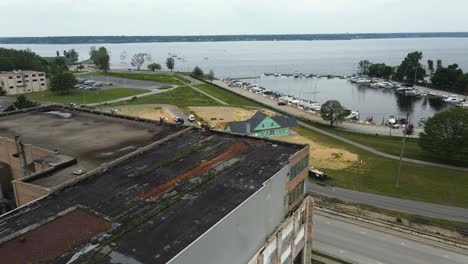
26,192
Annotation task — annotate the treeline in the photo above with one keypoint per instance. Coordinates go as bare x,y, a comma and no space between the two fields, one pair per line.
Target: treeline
412,70
205,38
11,59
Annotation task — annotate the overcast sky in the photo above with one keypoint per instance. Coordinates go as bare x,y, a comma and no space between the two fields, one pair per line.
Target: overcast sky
215,17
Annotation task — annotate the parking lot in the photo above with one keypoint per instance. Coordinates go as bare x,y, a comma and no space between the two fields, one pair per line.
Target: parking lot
5,102
119,83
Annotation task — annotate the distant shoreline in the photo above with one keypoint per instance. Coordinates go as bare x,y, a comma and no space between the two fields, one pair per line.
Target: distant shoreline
222,38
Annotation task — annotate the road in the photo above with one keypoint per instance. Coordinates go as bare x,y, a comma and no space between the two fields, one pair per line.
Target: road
406,206
5,102
361,244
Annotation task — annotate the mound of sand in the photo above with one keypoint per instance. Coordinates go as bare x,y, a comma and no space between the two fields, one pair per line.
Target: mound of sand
322,156
148,112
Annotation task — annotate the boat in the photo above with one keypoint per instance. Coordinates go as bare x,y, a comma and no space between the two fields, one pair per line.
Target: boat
352,115
391,120
452,100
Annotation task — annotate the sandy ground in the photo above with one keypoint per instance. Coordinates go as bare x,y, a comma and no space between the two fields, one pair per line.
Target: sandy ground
219,116
322,156
148,112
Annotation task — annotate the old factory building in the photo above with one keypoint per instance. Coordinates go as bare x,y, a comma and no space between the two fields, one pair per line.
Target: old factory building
148,192
21,82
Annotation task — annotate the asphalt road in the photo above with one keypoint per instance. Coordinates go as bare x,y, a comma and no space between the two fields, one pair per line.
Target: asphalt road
5,102
396,204
360,244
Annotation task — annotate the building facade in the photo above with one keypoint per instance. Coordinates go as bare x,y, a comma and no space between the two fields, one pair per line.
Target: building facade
263,126
21,82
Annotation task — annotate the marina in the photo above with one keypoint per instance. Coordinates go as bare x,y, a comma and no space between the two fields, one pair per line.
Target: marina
367,100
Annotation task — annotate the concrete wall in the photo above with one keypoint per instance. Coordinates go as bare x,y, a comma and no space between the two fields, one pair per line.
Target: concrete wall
8,149
240,235
26,192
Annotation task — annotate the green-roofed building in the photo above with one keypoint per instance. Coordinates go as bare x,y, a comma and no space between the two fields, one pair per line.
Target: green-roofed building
262,125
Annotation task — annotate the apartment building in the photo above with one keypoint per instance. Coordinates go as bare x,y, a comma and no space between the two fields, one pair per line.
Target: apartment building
21,82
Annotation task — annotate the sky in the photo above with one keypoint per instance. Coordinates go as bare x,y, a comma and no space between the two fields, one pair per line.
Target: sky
20,18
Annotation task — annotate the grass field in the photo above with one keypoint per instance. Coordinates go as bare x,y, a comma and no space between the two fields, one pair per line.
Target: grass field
377,175
392,145
155,77
80,96
228,97
182,97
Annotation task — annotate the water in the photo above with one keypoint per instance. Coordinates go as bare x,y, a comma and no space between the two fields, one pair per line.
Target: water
236,59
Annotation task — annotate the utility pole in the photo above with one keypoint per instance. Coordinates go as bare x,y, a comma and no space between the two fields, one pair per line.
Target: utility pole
397,184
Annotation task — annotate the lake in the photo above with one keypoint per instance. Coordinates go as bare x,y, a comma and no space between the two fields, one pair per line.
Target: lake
340,57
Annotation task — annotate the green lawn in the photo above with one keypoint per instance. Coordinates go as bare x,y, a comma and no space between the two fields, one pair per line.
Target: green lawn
182,97
377,175
155,77
227,96
80,96
392,145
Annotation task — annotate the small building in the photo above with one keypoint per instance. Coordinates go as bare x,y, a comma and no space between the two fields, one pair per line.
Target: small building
262,125
21,82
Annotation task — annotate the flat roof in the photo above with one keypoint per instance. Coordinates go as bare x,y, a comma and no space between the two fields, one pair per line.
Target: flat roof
191,181
90,138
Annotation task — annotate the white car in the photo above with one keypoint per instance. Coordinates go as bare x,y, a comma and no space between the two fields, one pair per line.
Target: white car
191,118
78,172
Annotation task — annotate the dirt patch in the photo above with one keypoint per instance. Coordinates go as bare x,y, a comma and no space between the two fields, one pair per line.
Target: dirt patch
203,167
220,116
153,113
322,156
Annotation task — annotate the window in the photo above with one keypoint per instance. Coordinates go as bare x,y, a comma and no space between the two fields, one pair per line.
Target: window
34,80
42,79
41,74
299,167
272,124
18,76
12,87
272,132
26,76
34,75
295,194
19,81
42,84
10,77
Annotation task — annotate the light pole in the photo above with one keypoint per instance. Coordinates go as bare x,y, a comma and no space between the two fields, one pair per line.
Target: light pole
405,131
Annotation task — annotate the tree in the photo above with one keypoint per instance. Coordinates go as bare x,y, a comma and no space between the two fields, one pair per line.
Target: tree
439,64
411,70
463,84
62,82
93,53
446,134
12,59
21,102
138,60
447,78
154,66
71,56
57,53
211,76
197,72
380,70
170,63
430,67
58,64
332,111
364,67
123,57
80,67
102,59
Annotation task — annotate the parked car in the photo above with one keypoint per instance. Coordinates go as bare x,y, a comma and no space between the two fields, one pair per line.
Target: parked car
78,172
191,118
179,120
317,174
